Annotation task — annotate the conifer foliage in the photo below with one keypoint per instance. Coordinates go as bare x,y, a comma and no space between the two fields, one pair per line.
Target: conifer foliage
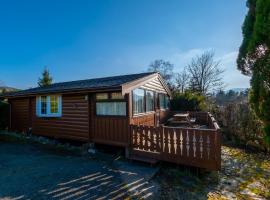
254,59
46,79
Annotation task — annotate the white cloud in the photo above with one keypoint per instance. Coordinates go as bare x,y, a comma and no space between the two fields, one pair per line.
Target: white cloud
182,59
232,76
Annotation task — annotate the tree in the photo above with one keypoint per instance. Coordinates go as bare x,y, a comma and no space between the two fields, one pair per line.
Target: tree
46,79
205,73
165,68
254,59
4,91
182,80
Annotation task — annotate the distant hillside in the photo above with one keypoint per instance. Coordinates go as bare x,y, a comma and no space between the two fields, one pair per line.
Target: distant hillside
7,89
237,90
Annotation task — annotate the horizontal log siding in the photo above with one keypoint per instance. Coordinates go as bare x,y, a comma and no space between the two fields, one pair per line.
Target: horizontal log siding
72,125
19,114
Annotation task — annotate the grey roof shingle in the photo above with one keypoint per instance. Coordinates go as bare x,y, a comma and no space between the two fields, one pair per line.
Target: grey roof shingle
96,83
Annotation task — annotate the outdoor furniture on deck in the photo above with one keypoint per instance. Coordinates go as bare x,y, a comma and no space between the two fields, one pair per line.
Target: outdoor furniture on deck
182,119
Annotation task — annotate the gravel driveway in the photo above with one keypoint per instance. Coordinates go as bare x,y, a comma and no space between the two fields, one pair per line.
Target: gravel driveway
35,171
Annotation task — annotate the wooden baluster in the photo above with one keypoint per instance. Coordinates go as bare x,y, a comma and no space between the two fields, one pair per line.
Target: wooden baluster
158,138
184,137
152,135
172,141
166,149
177,142
201,145
135,132
194,143
146,138
141,137
188,142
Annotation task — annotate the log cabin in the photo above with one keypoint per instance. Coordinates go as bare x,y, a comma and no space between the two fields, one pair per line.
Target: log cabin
96,110
130,111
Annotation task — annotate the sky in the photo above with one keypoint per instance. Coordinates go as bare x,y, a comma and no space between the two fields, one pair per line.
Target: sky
81,39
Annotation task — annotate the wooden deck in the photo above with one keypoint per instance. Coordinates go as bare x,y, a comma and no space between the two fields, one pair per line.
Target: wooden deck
188,146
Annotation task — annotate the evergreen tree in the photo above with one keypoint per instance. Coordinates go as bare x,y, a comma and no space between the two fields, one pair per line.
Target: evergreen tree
46,79
254,59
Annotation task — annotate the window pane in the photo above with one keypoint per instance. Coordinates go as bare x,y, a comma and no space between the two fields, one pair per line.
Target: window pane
149,101
43,105
167,102
54,104
100,96
138,101
162,101
117,95
111,108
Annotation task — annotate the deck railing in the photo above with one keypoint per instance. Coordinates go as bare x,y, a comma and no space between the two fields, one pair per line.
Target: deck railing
188,146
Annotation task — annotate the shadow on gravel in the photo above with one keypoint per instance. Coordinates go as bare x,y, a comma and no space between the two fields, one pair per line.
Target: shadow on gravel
36,171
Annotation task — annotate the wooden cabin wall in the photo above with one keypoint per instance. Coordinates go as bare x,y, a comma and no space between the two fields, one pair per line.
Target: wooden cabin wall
20,115
72,125
111,130
164,115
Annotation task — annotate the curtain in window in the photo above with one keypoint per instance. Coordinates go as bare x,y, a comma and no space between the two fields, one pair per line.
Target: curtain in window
149,101
54,104
138,101
111,108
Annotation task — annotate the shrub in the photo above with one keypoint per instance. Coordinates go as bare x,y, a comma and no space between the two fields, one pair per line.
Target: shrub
188,101
4,115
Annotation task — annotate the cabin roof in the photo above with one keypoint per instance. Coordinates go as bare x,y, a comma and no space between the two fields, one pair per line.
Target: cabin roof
80,85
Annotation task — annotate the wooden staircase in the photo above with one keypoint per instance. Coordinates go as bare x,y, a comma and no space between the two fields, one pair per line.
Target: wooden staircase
144,156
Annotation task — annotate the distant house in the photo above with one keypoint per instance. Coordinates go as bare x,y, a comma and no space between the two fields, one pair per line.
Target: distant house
95,110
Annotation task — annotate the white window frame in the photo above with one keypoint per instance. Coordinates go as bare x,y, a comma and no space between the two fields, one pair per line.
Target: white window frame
48,108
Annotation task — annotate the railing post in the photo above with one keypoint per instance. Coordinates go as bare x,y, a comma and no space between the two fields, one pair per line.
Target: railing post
218,149
161,130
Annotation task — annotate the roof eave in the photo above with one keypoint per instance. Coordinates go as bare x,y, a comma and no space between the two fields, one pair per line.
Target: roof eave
128,87
66,91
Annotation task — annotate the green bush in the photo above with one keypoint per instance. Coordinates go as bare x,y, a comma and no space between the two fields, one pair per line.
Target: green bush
4,115
188,101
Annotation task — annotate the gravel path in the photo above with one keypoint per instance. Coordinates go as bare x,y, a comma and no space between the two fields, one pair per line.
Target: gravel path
244,175
34,171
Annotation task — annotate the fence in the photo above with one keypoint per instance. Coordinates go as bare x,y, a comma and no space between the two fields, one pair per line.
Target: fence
188,146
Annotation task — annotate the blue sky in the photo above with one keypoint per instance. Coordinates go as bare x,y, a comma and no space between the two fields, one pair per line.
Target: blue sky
80,39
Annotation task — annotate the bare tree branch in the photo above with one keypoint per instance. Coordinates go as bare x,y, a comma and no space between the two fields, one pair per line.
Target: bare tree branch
182,80
205,73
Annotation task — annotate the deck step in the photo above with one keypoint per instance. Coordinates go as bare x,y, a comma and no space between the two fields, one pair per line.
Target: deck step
151,161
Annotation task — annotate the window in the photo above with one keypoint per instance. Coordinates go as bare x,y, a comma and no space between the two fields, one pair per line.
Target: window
163,101
54,104
111,104
111,108
43,105
117,95
49,106
149,101
138,101
101,96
